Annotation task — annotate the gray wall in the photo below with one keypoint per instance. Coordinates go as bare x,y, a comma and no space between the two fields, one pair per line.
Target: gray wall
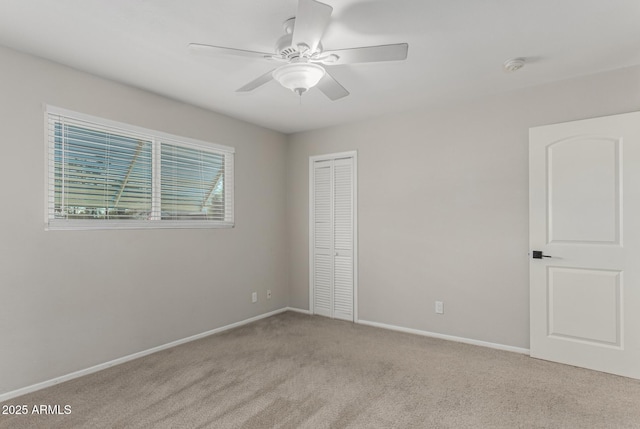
73,299
442,212
443,205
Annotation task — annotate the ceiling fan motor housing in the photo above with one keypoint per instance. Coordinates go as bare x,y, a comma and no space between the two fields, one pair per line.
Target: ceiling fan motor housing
284,46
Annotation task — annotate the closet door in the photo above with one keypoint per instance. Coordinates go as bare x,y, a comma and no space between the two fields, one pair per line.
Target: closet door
322,266
332,224
343,239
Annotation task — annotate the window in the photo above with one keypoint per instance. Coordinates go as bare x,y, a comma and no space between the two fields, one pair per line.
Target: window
103,174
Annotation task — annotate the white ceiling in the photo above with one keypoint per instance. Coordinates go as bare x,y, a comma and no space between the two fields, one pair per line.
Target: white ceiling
456,49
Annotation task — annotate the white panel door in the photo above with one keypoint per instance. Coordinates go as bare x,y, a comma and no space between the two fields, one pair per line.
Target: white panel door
332,227
584,184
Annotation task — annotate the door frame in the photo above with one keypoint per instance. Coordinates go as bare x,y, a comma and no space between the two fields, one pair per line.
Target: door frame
332,156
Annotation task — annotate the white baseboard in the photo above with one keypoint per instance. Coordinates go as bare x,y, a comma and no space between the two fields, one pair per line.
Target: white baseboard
298,310
99,367
431,334
38,386
446,337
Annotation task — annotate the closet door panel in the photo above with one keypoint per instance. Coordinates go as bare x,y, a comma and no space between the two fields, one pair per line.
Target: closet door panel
343,238
323,238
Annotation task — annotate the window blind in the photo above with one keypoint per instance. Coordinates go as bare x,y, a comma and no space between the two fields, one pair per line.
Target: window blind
103,174
194,184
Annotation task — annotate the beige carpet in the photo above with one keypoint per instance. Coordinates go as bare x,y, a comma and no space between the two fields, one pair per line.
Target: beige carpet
297,371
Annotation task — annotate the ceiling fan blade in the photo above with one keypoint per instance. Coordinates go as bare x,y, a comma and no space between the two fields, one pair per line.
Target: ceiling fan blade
220,50
367,54
331,88
312,19
267,77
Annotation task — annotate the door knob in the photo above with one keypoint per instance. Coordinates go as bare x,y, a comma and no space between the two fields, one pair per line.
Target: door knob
537,254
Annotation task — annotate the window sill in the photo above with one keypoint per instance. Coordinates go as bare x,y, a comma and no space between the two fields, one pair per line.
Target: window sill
85,225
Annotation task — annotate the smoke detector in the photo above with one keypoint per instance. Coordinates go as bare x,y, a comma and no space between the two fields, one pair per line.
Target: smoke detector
514,64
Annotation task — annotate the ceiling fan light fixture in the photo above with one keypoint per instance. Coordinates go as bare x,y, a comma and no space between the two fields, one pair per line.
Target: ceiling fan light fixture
299,77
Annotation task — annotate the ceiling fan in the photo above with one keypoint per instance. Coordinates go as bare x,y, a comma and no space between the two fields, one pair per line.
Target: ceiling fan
301,51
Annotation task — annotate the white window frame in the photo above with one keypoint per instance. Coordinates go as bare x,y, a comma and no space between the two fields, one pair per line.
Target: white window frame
157,138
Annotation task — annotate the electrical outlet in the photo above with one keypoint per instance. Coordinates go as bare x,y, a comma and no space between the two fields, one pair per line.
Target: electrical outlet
439,307
254,297
268,293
